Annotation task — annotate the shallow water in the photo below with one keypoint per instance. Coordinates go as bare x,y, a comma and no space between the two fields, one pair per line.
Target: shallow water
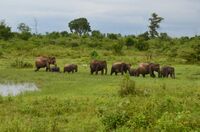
15,89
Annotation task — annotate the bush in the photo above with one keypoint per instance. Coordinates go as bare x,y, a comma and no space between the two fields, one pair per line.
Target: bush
5,31
114,120
19,63
94,54
118,47
129,42
127,87
74,44
142,45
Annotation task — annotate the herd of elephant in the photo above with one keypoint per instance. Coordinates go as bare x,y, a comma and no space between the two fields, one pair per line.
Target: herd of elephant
101,65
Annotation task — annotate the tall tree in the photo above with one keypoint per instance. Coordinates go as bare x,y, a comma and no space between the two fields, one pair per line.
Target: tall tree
22,27
155,20
80,26
25,31
5,31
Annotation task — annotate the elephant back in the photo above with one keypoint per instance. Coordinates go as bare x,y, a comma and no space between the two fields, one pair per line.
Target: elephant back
41,61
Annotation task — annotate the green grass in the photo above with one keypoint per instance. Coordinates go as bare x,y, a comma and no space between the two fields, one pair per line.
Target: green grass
84,102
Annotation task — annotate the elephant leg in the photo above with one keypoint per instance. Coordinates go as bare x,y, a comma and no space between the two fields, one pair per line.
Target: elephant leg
112,71
167,75
171,75
96,72
47,69
153,75
37,69
122,73
102,72
143,75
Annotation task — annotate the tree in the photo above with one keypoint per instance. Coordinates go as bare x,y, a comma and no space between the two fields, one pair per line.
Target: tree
25,31
129,42
164,36
113,36
64,34
144,36
80,26
142,45
5,31
154,25
117,47
97,34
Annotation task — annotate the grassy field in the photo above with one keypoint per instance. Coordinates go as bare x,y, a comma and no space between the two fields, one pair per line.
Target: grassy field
84,102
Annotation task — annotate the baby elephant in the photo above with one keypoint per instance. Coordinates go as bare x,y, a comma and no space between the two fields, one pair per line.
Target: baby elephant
70,68
54,69
166,71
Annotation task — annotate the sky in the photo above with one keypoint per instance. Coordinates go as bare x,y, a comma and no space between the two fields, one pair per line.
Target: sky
181,17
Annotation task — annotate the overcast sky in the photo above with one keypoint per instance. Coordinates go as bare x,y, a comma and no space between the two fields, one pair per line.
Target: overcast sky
181,17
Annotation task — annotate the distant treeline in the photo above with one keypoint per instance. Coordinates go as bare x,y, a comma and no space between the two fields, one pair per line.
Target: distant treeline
81,35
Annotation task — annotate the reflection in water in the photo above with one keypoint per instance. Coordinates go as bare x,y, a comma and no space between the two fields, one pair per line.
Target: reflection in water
14,89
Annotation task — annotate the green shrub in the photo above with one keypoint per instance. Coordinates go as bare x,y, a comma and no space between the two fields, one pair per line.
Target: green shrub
142,45
127,87
129,42
117,47
74,44
114,120
20,63
94,54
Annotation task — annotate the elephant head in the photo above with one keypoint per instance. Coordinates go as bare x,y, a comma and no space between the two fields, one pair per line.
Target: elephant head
52,60
154,67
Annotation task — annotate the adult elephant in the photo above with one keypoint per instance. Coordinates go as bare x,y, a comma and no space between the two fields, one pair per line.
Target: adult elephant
148,68
120,67
167,70
42,62
70,68
98,65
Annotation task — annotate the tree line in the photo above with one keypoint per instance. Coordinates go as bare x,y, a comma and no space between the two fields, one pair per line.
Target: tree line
81,33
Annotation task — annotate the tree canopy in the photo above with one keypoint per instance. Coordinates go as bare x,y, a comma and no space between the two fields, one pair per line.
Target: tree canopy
5,31
80,26
154,25
25,31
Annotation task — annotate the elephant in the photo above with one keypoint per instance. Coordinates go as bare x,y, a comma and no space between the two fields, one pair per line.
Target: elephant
148,68
98,65
167,70
43,61
54,69
70,68
120,67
